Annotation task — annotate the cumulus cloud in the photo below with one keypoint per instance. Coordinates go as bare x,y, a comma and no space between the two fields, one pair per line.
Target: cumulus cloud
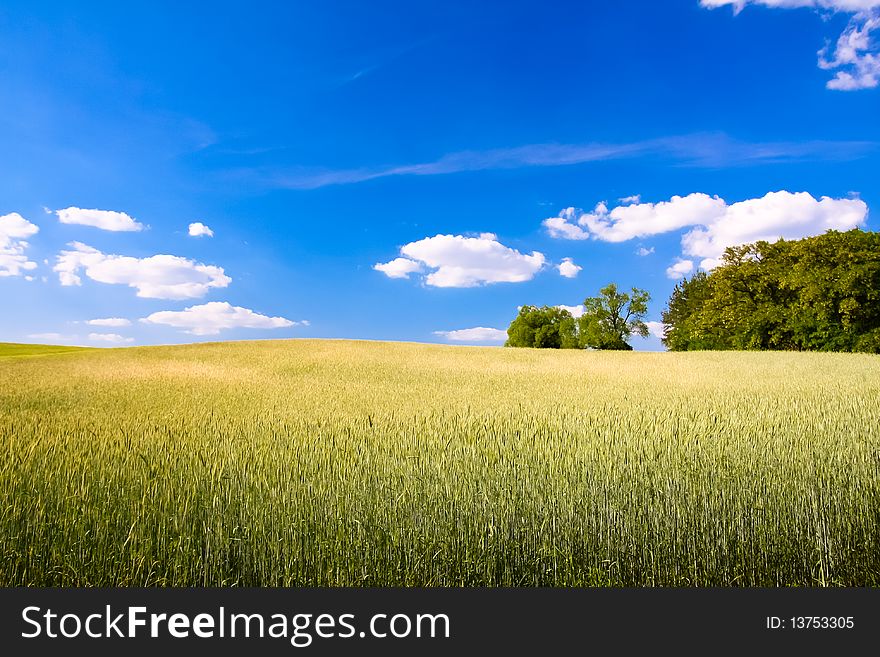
576,311
626,222
568,269
642,251
715,225
103,219
626,200
215,316
856,56
156,277
564,226
113,322
657,329
478,334
679,269
398,268
14,231
113,338
459,261
198,229
776,215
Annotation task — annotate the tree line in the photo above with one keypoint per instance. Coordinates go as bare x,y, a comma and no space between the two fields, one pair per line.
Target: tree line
814,294
819,293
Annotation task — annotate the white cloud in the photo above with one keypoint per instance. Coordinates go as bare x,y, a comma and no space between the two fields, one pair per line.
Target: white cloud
568,269
777,215
156,277
626,222
626,200
103,219
715,225
114,338
459,261
657,329
698,149
576,311
52,338
642,251
198,229
560,227
14,231
398,268
856,56
109,321
478,334
215,316
679,269
710,263
838,5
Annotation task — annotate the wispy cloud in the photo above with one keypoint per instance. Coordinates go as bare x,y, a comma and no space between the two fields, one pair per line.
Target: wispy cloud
113,338
359,74
381,60
712,150
718,150
56,339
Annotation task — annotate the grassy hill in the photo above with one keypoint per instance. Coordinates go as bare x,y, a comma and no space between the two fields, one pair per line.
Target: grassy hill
313,462
12,350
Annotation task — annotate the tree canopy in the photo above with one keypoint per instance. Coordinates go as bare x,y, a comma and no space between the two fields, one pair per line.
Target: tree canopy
607,323
815,294
547,327
611,318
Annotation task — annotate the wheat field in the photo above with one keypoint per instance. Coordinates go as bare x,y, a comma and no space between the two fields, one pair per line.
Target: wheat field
343,463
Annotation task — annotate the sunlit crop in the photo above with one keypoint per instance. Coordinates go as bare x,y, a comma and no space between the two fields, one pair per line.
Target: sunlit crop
334,463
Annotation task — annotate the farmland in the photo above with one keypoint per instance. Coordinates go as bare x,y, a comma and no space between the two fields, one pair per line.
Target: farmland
342,463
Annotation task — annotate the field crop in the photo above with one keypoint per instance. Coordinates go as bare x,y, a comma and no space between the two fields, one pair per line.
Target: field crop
329,463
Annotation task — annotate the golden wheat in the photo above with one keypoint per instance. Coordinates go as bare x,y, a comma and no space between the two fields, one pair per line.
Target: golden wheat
330,463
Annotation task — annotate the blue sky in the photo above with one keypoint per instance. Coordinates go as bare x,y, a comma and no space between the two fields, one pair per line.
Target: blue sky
410,171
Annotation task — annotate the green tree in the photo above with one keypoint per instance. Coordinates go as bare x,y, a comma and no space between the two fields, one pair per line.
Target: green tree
613,317
546,327
684,326
818,293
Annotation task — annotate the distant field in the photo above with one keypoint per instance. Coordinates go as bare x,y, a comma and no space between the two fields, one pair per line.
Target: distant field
8,349
320,463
